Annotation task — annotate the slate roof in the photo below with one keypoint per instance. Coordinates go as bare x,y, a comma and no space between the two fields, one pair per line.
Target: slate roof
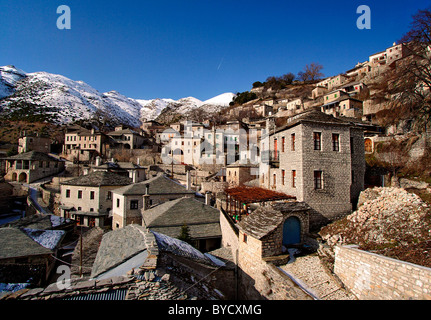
121,132
41,222
264,220
168,218
157,185
261,222
118,246
119,166
313,116
33,155
15,243
99,178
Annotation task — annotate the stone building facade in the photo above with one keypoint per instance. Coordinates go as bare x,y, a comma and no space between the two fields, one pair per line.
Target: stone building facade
318,159
128,201
31,166
89,198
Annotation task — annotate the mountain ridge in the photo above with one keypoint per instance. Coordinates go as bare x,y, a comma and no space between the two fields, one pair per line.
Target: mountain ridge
65,101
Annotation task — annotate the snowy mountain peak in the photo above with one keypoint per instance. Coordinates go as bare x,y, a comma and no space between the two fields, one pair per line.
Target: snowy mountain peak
221,100
68,100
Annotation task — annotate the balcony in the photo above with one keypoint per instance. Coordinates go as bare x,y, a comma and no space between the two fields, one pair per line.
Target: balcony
272,158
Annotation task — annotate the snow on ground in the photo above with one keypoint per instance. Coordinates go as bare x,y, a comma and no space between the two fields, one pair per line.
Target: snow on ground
166,243
46,238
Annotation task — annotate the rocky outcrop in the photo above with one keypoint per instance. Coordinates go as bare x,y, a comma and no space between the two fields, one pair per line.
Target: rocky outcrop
389,221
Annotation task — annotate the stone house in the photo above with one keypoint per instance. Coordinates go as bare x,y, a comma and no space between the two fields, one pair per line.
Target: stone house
31,166
319,91
318,159
128,201
271,229
81,144
34,142
202,220
241,172
88,198
344,106
360,70
27,255
125,138
134,171
333,82
334,95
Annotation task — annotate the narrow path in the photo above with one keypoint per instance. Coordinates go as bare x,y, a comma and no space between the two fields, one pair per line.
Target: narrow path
310,271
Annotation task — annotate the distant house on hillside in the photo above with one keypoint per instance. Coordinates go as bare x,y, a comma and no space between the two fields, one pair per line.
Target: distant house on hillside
125,138
33,142
81,144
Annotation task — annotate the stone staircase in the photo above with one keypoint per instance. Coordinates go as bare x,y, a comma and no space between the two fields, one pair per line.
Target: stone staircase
310,271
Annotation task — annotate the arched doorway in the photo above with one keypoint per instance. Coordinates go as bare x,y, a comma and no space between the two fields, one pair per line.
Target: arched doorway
292,231
22,177
14,176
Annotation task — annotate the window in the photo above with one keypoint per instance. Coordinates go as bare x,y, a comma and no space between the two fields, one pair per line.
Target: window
293,178
118,203
317,141
244,238
283,176
67,193
336,142
109,195
134,204
91,195
318,180
283,140
352,147
293,141
79,194
275,179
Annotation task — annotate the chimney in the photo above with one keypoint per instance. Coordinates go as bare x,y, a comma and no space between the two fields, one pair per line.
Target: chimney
188,180
146,205
98,161
135,176
208,198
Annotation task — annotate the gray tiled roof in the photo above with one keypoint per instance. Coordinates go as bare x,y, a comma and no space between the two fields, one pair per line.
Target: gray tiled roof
261,222
15,243
99,178
33,155
313,116
118,246
158,185
168,218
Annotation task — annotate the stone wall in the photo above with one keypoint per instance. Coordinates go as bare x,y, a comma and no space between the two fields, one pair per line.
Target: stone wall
374,277
229,232
259,279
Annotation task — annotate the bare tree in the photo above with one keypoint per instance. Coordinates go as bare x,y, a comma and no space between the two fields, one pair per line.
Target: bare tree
394,157
410,82
311,72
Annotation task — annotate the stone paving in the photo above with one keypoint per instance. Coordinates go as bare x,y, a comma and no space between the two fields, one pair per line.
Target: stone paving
311,272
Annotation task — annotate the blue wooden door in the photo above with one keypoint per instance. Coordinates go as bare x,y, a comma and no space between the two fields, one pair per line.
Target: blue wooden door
292,231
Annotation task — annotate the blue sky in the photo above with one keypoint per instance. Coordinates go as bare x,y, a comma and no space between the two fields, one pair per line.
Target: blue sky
175,49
